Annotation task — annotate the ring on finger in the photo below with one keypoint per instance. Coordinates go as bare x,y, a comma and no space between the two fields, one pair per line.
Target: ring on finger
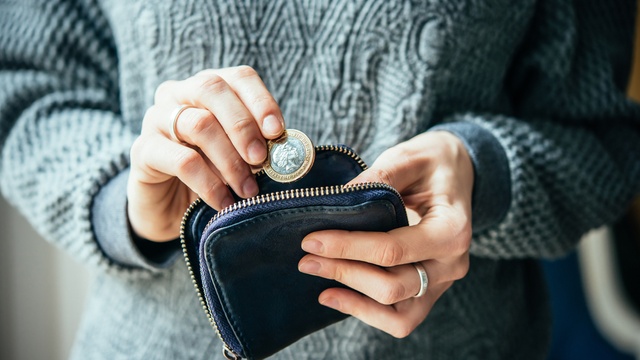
424,279
173,129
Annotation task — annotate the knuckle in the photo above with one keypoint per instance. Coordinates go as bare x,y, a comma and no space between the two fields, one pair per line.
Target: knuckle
204,73
213,191
383,176
264,105
163,90
336,273
148,115
462,236
459,231
263,100
198,122
403,329
461,269
242,125
244,71
212,84
389,254
149,119
236,165
343,249
187,161
399,154
391,293
466,236
137,149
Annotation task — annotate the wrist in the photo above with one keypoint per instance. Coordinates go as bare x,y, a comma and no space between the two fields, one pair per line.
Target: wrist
114,234
491,196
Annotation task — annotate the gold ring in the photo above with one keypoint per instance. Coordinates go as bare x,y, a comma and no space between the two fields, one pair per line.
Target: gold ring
424,279
173,129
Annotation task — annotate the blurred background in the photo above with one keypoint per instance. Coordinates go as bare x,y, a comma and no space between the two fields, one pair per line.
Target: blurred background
42,293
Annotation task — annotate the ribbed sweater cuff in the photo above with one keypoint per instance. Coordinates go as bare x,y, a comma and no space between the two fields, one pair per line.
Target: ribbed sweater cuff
492,179
115,236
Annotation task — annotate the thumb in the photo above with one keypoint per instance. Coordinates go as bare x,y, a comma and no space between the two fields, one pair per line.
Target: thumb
372,174
391,168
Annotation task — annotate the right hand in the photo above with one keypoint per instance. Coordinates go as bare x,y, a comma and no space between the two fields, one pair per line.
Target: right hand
222,137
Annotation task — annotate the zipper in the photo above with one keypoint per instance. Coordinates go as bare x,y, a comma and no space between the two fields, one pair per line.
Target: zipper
301,193
226,350
266,198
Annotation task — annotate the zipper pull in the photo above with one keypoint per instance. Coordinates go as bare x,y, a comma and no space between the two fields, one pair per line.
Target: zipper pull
229,354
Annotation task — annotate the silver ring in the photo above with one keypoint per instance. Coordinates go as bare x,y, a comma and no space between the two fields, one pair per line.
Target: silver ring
424,280
173,129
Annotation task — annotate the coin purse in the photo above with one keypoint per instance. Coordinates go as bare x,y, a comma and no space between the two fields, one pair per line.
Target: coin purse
244,259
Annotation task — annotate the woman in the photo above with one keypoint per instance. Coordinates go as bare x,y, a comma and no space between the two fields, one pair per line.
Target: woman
504,127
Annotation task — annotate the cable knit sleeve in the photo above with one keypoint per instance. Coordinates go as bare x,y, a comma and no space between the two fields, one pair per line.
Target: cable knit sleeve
61,133
573,142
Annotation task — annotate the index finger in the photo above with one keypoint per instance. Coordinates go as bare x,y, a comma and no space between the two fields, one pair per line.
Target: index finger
214,94
430,239
252,91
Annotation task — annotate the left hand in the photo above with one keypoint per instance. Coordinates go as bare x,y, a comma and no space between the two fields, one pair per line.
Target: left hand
434,175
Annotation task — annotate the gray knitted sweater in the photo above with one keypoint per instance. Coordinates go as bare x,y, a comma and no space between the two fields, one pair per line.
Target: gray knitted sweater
534,88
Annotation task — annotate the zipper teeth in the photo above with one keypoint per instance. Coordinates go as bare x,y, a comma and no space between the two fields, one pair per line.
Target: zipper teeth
300,193
183,242
345,151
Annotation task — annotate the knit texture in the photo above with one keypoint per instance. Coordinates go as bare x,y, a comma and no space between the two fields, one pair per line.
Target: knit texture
545,78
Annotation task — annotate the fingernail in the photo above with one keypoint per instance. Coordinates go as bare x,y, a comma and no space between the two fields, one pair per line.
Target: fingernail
250,188
331,302
310,267
257,151
272,126
312,246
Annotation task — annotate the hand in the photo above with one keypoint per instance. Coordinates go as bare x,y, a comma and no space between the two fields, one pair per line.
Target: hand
434,175
220,137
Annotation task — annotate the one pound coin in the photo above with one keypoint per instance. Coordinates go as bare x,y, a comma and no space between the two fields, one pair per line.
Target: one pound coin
290,156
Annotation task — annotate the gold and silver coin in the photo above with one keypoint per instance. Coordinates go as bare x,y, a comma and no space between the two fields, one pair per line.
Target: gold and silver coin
290,156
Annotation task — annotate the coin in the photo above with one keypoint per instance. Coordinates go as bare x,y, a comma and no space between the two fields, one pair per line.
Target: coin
290,156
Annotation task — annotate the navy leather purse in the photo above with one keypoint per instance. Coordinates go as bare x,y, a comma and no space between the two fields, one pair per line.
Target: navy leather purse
244,259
